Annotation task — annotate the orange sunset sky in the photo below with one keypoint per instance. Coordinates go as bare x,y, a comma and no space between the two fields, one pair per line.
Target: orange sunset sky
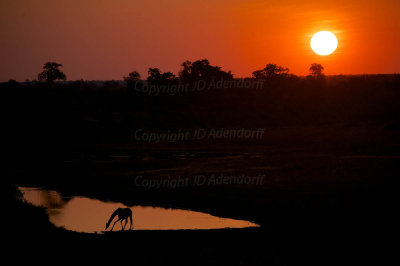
104,39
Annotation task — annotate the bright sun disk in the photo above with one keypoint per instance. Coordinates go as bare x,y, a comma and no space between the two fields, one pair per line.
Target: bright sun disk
324,43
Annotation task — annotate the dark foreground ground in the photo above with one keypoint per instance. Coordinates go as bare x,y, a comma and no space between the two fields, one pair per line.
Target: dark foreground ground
324,200
329,156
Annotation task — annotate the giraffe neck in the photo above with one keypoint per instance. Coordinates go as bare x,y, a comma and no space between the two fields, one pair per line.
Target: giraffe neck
115,213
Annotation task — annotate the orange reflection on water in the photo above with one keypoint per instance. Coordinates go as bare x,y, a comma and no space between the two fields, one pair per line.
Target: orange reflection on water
83,214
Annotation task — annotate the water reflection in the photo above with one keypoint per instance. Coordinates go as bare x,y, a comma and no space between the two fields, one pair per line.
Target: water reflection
82,214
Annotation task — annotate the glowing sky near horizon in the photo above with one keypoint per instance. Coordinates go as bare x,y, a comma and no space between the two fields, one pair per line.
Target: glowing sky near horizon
103,39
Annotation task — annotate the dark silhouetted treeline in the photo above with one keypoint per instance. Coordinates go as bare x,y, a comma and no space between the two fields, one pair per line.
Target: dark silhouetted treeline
85,111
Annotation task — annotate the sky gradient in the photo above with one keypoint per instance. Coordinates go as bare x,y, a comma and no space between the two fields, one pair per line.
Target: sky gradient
101,40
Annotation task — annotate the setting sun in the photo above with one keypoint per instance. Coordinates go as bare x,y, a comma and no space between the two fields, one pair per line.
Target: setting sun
324,43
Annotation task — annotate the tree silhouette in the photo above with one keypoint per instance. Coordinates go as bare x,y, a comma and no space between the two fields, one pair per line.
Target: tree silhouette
132,78
156,77
316,70
202,70
51,73
271,71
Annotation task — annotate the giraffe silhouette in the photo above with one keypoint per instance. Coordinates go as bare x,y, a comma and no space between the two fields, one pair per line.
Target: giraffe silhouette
123,215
